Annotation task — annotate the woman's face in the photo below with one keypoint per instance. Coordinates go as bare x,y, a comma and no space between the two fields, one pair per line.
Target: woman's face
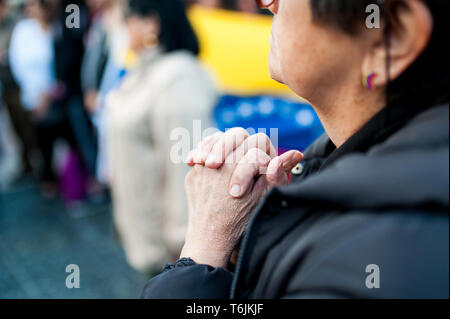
143,32
100,4
45,14
34,10
209,3
3,10
309,57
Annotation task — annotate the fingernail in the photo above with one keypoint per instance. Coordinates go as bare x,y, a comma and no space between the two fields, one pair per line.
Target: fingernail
296,158
235,190
212,159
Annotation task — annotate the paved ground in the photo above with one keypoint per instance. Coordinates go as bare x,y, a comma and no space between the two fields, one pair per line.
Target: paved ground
38,239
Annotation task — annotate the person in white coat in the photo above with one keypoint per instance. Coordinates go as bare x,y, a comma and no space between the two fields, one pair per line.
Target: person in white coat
168,92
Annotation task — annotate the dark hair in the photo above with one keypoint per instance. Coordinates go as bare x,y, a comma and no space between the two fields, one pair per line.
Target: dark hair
425,82
176,31
49,9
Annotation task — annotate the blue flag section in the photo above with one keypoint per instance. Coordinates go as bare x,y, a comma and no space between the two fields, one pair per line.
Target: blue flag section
296,122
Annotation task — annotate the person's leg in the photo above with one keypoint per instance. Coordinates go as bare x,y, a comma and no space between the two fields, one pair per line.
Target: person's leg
82,133
46,136
46,140
20,122
86,139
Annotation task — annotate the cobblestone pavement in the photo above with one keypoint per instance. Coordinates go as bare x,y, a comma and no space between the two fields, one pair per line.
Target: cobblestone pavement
39,238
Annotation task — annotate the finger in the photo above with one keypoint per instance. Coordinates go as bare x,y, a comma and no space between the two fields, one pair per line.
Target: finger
227,143
190,158
196,155
205,147
254,163
260,141
280,166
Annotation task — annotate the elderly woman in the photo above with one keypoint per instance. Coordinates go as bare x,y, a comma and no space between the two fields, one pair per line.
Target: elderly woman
366,211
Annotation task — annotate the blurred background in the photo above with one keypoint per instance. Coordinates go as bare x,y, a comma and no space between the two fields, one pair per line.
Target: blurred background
89,96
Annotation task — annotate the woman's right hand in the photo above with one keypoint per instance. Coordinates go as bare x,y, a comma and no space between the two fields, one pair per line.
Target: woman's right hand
226,148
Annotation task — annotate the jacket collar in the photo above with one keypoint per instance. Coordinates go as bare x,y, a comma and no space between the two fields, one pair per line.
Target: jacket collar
385,123
410,168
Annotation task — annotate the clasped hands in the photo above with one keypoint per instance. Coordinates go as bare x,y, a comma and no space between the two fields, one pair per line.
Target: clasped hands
230,173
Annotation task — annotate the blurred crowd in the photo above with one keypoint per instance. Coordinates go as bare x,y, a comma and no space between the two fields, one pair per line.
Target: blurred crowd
88,98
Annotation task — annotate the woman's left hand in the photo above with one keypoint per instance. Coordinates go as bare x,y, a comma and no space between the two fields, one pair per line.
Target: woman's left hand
219,206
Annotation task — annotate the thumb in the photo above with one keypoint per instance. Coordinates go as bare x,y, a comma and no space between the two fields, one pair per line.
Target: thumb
280,166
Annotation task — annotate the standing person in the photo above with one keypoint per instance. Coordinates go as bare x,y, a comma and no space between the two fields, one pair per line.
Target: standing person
32,60
367,212
11,93
69,51
105,34
104,64
167,90
96,53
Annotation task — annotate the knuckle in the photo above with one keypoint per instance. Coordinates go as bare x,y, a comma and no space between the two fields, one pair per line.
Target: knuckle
262,137
235,134
264,142
241,131
218,135
257,156
219,146
253,152
215,136
209,139
237,139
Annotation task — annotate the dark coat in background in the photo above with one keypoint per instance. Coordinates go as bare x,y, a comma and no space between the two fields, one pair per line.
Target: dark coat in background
386,205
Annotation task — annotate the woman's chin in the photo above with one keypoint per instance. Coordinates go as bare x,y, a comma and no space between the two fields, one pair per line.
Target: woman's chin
275,68
275,74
